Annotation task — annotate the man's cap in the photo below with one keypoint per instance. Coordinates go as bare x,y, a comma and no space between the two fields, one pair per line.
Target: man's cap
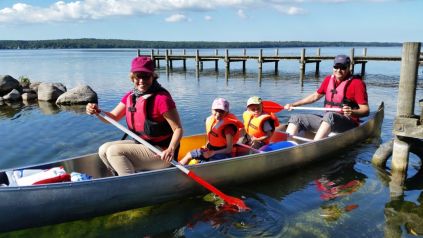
342,59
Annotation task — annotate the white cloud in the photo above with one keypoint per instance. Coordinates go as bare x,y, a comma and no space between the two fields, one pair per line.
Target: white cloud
208,18
241,13
289,10
177,18
97,9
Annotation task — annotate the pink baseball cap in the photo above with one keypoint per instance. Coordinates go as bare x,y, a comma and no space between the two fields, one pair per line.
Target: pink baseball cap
142,64
220,104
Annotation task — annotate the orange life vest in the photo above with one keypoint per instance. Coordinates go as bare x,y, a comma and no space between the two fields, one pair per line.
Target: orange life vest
254,125
215,129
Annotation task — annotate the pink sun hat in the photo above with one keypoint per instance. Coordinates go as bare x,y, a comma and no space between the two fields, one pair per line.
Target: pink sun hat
220,104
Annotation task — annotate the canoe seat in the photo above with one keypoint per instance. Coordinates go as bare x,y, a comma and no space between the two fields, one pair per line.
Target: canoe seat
278,145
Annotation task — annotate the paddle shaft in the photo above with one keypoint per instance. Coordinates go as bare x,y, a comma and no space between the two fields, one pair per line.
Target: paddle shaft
230,200
318,109
142,141
249,147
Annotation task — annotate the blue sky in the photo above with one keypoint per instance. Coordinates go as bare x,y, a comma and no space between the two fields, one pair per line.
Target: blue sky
214,20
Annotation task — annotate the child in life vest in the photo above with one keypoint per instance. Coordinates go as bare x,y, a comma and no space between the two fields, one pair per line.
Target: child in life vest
259,125
223,129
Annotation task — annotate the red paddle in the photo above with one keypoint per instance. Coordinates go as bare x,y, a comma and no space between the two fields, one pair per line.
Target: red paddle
270,106
228,199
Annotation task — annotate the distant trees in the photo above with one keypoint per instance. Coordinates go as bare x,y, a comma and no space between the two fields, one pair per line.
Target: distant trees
115,43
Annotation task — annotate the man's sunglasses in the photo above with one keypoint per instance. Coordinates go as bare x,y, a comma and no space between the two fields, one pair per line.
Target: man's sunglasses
341,67
142,75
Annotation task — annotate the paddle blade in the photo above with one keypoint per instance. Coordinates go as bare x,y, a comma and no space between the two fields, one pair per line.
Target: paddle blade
270,106
233,201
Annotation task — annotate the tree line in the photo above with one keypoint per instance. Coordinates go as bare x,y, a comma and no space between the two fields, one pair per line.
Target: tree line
116,43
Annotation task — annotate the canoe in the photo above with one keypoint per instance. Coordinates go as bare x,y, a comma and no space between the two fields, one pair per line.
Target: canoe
39,205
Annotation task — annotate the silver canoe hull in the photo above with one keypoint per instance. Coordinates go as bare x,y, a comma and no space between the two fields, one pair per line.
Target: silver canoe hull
32,206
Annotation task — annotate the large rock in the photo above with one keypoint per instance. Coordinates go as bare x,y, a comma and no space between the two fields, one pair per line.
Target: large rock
7,84
50,91
34,86
14,95
78,95
29,96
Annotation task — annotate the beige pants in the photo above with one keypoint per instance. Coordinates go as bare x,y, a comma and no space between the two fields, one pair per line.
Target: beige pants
126,157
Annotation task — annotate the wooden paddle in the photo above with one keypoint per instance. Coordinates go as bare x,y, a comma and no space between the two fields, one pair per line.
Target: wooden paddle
228,199
270,106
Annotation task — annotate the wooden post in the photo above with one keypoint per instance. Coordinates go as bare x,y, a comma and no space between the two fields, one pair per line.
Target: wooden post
405,102
316,73
138,52
227,63
363,65
352,61
197,60
276,61
167,59
260,59
184,62
152,58
302,66
216,62
243,62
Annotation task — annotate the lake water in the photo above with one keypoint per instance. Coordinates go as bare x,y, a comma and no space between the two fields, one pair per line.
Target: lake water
288,205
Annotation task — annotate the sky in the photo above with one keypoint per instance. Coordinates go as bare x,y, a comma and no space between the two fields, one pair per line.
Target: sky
214,20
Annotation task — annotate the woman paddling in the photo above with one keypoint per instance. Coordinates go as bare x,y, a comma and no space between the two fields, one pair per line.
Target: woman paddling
151,113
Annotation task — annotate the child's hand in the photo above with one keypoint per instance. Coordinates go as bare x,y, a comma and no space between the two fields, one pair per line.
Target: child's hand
208,153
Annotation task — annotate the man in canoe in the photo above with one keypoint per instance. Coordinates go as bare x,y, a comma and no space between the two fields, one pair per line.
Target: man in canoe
150,113
259,125
223,130
341,90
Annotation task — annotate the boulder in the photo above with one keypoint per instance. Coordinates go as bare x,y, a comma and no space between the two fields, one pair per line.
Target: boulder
79,95
34,86
7,84
50,91
14,95
29,96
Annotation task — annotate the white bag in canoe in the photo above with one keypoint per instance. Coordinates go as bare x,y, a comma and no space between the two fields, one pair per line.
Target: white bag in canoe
33,177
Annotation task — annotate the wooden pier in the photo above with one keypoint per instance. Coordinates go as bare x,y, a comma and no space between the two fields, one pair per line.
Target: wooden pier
169,56
408,127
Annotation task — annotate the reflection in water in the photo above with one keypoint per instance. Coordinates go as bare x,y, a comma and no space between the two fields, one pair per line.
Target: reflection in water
9,110
403,215
78,109
48,108
265,219
400,213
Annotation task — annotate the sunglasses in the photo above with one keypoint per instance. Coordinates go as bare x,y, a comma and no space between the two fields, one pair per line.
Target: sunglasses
341,67
220,111
142,75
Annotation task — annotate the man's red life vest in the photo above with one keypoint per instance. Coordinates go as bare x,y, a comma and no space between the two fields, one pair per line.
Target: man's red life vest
336,96
215,129
138,121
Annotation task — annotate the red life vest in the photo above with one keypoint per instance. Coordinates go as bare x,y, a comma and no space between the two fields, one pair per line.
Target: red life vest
335,95
138,121
254,125
215,129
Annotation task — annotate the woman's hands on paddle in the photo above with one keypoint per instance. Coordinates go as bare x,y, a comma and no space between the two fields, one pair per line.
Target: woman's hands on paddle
92,108
168,154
